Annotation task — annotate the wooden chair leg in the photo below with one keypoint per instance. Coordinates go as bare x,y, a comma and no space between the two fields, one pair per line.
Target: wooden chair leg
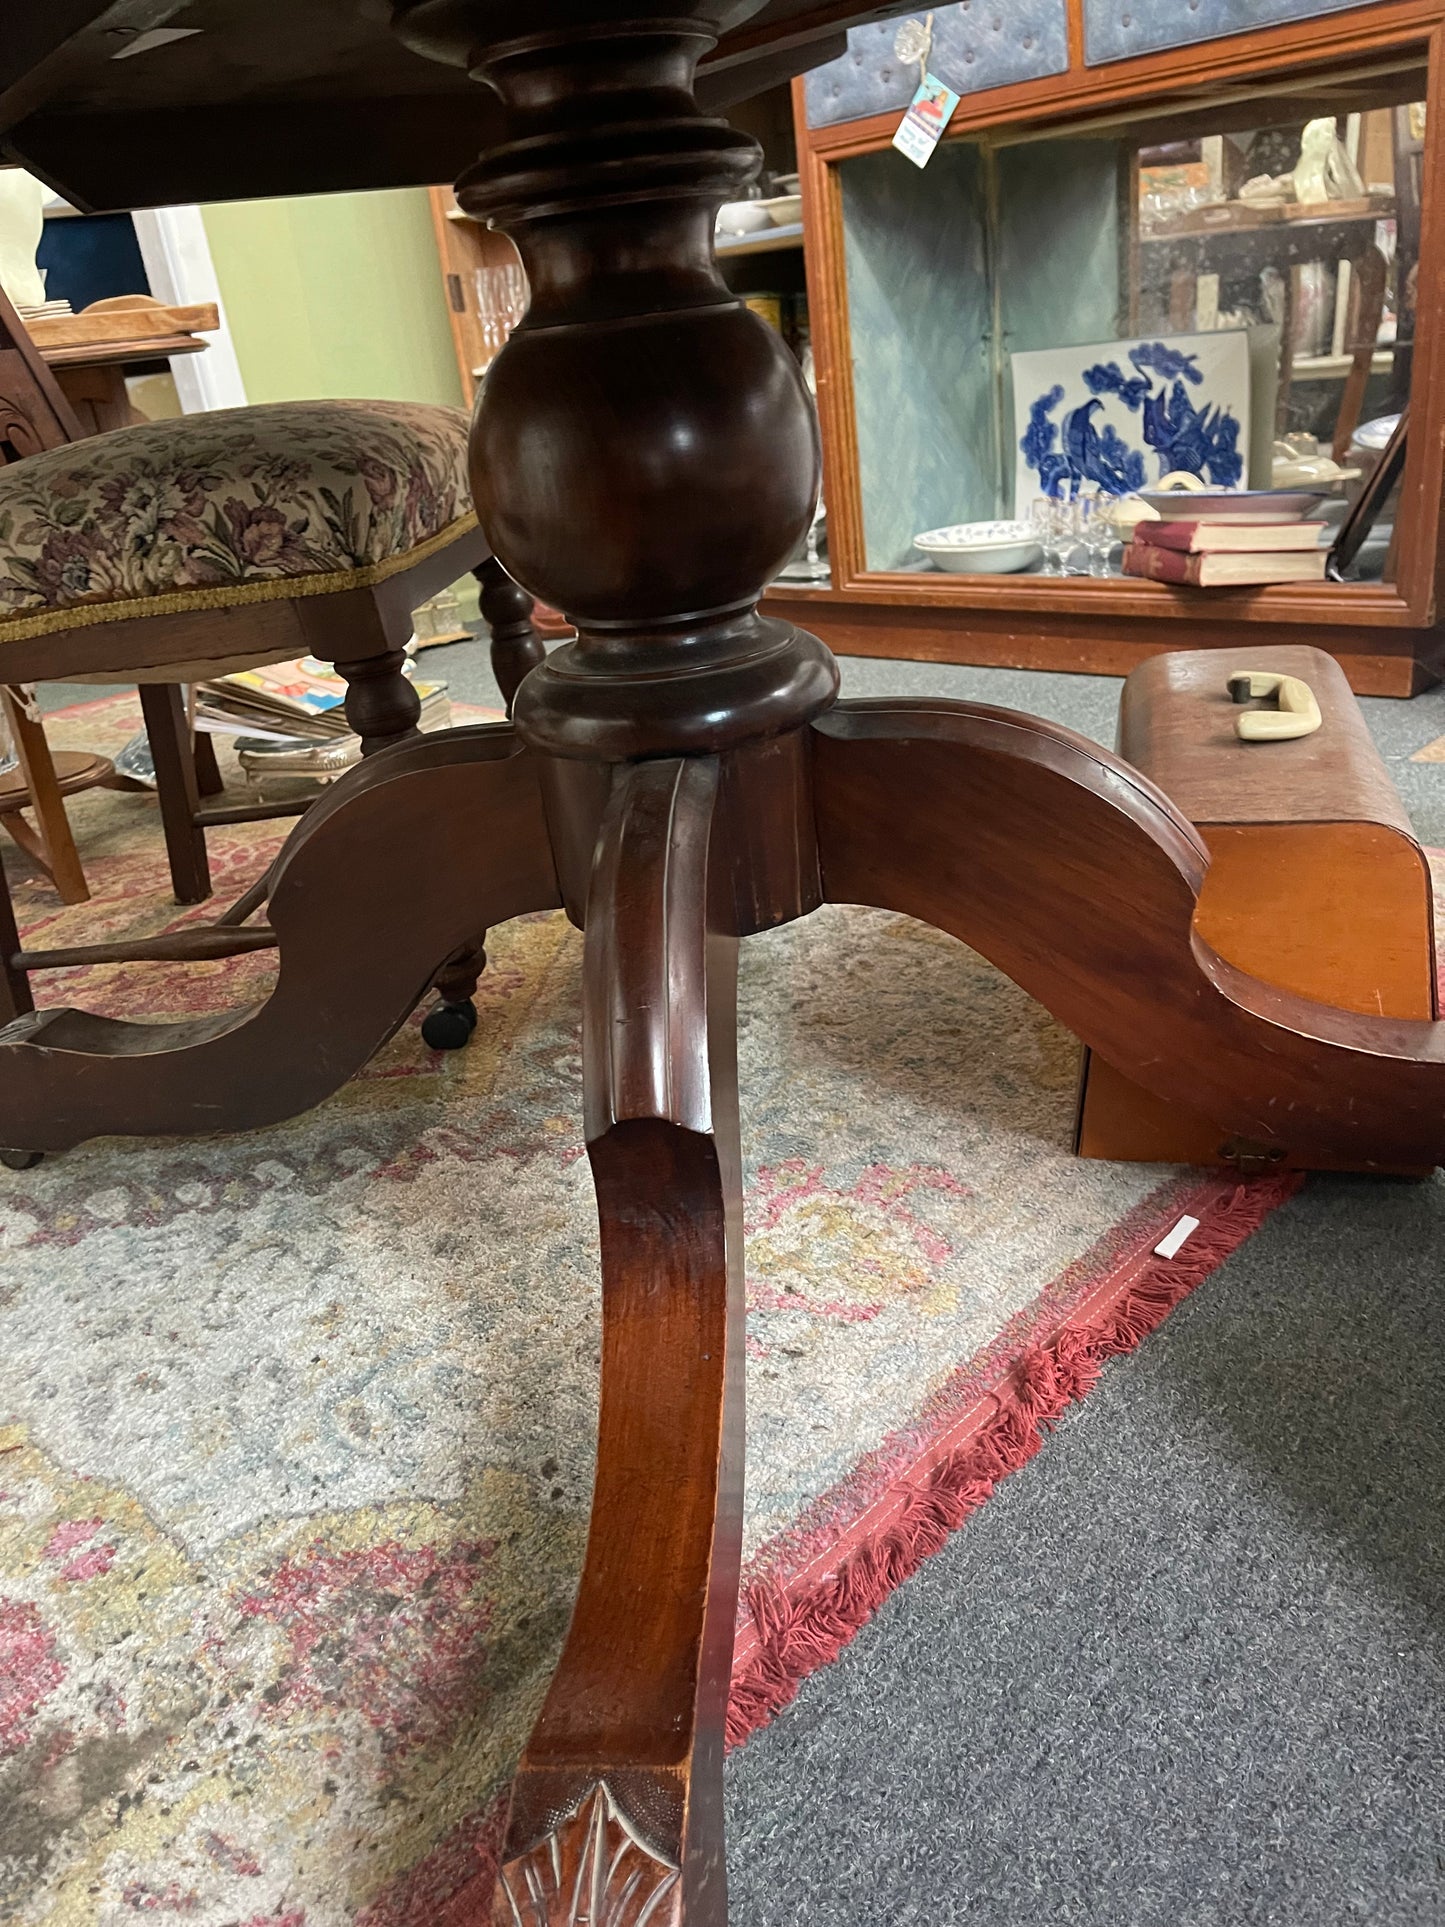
1366,306
382,705
616,1810
1286,351
507,612
57,852
177,789
209,780
516,649
15,998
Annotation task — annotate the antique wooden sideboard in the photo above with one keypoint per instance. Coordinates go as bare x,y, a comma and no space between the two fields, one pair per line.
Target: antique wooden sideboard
1024,230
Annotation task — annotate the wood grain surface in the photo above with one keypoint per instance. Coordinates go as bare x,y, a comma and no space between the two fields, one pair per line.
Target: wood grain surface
631,1735
1072,873
362,927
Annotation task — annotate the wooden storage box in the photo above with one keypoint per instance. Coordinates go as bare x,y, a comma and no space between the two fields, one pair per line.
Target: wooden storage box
1317,882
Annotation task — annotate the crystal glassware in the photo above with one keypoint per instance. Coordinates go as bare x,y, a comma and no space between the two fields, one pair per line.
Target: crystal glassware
1095,515
1071,533
1049,520
502,296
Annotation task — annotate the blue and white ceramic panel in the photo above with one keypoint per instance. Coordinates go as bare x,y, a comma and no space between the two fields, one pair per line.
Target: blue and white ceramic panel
1117,29
1124,414
976,44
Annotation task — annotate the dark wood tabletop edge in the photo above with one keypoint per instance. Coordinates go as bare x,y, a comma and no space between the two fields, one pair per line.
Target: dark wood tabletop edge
111,136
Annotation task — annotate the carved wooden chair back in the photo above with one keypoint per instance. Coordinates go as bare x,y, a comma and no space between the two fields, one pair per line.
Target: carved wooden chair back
34,414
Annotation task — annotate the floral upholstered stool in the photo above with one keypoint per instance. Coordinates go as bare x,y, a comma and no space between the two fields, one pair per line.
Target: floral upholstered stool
170,551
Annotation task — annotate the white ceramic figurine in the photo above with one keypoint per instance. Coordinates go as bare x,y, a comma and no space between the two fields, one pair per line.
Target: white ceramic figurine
1325,171
22,222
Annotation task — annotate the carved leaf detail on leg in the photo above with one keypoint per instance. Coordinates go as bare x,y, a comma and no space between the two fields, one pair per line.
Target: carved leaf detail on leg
593,1871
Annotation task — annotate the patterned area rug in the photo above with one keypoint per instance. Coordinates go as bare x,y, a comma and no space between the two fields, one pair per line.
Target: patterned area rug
296,1427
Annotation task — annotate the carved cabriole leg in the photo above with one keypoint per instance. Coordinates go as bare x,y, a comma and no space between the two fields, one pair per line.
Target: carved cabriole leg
1072,873
645,458
616,1811
361,926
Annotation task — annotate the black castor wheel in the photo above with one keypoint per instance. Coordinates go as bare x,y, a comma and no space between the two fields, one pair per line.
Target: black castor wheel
449,1026
20,1160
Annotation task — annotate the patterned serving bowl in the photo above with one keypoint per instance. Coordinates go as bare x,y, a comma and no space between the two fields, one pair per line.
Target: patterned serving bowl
981,548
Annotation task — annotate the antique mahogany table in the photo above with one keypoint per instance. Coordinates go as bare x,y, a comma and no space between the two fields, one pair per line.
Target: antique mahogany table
680,776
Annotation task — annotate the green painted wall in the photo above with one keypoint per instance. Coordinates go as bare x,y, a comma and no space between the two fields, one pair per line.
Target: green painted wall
335,295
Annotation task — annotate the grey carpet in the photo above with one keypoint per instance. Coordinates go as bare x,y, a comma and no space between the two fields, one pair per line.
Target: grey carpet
1187,1669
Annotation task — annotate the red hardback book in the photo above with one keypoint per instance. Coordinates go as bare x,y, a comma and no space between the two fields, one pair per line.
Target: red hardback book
1223,571
1229,538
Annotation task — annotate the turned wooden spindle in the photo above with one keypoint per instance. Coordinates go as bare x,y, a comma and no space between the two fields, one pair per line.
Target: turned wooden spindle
381,705
516,649
507,611
645,454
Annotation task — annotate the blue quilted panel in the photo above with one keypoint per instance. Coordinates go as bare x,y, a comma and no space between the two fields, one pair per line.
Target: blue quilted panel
1115,29
976,44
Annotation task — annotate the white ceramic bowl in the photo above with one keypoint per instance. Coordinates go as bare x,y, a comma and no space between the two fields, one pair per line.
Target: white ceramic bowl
981,548
1234,504
784,210
743,217
1372,436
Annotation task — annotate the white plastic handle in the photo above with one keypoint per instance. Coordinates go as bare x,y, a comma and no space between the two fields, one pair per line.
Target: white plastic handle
1296,713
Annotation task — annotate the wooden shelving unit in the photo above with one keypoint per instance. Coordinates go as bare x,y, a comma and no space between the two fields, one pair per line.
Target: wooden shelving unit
766,241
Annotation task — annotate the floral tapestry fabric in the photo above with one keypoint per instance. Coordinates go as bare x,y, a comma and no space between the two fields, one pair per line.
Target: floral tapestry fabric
240,496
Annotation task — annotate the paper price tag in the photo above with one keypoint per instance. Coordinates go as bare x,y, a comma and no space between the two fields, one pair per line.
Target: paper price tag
922,126
1171,1246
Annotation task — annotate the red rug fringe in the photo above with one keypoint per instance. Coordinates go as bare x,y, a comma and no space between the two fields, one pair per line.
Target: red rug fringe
800,1634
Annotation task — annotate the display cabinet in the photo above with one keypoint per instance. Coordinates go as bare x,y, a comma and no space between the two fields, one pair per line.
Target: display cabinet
479,271
1224,219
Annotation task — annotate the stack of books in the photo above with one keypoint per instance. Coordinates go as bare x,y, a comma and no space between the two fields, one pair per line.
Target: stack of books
1227,555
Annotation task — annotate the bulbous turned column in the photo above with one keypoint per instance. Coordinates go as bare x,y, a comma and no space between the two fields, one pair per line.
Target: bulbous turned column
644,453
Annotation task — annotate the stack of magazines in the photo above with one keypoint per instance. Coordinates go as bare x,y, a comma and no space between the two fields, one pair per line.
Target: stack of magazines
290,719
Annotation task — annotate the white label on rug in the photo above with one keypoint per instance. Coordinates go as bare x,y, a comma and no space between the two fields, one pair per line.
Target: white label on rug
921,128
1182,1232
